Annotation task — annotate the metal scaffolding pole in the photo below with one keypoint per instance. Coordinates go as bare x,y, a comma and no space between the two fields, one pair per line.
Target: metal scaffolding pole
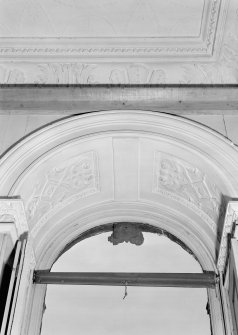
193,280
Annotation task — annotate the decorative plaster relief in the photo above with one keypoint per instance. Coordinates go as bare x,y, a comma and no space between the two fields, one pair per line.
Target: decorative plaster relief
12,210
93,74
61,68
225,68
231,218
108,29
183,182
11,75
63,184
76,73
222,70
229,55
184,61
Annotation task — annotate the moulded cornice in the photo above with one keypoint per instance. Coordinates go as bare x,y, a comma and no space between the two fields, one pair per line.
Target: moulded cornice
209,58
201,45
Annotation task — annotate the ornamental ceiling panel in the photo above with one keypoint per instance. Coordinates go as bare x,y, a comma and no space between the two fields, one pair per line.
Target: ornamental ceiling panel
104,18
129,28
77,41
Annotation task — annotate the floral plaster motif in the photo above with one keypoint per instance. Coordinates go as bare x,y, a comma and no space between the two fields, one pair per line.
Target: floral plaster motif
186,182
93,74
64,184
73,73
11,75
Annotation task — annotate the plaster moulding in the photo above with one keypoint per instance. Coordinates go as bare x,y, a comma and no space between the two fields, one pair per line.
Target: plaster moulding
211,57
50,245
12,211
50,236
75,179
167,40
72,183
220,150
50,250
176,178
51,239
212,151
231,219
214,154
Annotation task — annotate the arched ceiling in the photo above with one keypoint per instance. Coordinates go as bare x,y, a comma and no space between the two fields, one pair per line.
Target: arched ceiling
122,166
112,41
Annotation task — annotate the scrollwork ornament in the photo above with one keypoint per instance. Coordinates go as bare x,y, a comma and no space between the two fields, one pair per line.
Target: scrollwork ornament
186,183
74,180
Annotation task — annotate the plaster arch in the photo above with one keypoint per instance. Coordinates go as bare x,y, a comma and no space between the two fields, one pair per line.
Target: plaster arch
137,166
78,222
175,163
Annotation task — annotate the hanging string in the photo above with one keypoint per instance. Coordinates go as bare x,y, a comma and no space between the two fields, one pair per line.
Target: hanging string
125,295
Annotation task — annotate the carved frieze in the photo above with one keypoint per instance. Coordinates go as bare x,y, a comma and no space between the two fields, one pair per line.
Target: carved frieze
11,75
93,74
70,181
183,182
207,59
221,68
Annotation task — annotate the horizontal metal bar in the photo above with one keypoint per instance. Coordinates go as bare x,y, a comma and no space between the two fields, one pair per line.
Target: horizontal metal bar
206,279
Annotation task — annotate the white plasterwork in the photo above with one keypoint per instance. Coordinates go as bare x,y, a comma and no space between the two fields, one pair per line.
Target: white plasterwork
109,29
211,57
74,179
12,210
176,178
231,218
114,18
200,153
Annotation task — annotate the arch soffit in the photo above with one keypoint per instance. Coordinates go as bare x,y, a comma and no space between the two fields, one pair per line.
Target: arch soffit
179,147
67,229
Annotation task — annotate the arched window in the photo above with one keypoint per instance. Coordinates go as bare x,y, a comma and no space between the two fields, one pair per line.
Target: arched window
106,309
145,167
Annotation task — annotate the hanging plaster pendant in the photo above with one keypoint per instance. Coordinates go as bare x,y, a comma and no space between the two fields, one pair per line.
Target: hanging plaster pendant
126,232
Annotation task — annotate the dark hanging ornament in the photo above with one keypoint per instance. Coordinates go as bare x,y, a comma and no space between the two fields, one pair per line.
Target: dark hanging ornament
126,232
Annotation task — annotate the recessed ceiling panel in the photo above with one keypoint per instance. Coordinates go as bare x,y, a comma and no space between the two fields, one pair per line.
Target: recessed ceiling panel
101,18
108,28
118,41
